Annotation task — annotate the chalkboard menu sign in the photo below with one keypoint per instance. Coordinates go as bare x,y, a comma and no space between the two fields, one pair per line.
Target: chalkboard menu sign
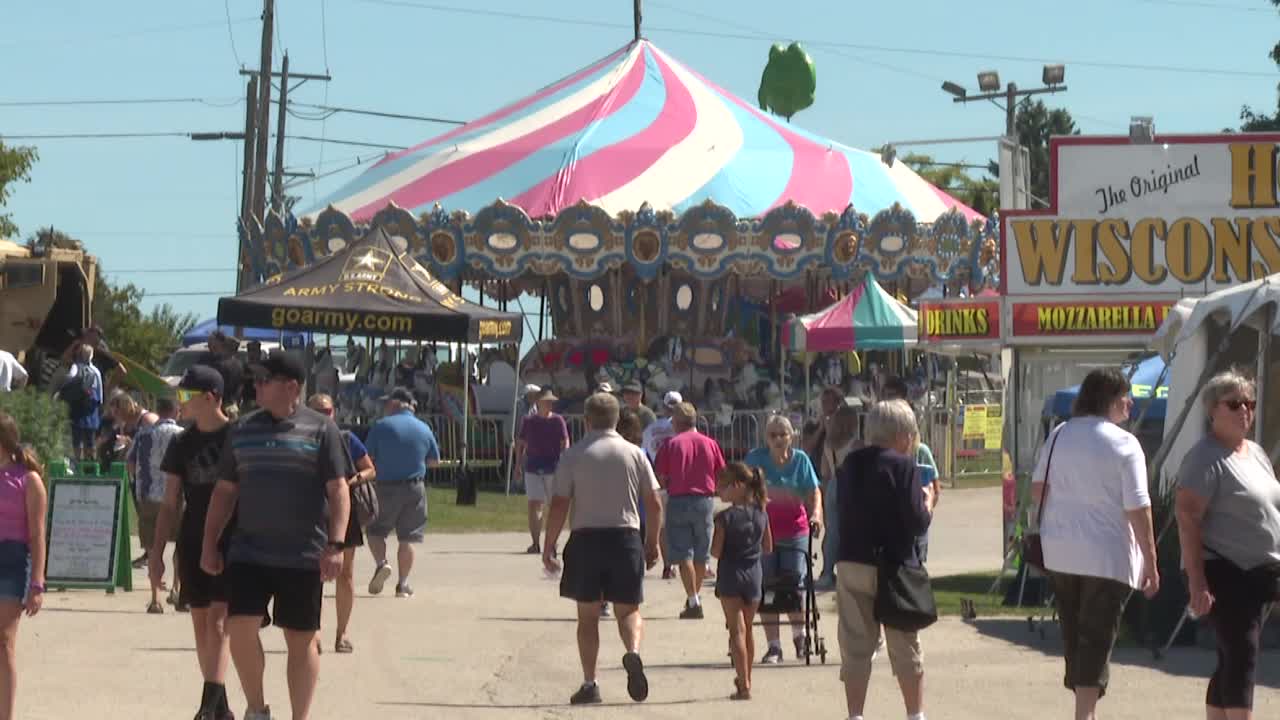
84,532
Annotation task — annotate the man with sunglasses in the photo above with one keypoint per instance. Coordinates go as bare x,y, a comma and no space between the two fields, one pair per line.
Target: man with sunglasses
283,472
191,465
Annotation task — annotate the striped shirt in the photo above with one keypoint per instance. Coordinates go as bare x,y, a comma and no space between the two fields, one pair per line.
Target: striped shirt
281,467
147,453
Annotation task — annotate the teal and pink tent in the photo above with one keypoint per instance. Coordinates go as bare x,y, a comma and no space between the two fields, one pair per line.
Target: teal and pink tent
866,319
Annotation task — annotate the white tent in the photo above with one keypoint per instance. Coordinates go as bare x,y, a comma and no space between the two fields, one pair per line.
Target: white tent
1235,315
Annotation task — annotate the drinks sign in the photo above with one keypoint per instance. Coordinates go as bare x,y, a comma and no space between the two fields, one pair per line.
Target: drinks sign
1180,216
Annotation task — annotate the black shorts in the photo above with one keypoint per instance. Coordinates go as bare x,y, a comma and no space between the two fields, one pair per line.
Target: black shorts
196,587
355,536
294,595
603,564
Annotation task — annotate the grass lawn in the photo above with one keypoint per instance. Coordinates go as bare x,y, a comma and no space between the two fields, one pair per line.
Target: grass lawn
493,512
949,590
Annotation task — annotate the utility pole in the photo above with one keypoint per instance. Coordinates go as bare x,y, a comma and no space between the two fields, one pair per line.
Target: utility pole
277,189
264,114
246,190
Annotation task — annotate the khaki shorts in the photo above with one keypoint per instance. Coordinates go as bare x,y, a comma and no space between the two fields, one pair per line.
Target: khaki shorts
859,633
148,512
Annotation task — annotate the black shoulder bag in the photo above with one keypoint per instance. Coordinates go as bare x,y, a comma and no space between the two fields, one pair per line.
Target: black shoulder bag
1032,548
904,594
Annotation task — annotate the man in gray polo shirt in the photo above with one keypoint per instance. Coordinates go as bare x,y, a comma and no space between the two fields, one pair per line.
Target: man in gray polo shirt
283,471
604,478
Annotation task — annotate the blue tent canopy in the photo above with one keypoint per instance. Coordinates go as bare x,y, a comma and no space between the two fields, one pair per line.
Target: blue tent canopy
201,332
1149,380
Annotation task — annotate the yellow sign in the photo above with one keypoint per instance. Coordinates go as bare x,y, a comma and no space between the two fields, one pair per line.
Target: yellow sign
494,329
1187,215
975,422
995,427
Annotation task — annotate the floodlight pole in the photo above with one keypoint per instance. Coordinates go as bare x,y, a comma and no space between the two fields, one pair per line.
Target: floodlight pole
1010,95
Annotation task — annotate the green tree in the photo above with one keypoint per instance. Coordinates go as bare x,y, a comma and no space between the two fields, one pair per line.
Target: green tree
1035,124
982,194
15,167
1250,119
147,338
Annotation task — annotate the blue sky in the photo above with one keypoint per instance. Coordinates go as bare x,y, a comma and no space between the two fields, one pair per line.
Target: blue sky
169,204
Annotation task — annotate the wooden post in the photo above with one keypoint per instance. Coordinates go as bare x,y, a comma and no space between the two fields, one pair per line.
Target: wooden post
277,181
264,114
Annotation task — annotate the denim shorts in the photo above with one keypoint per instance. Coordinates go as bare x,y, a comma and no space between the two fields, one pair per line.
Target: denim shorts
787,558
689,526
15,570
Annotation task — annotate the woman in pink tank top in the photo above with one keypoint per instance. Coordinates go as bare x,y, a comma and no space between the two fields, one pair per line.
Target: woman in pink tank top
23,502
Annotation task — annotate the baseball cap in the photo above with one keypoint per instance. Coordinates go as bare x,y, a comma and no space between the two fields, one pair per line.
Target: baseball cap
201,378
604,387
672,398
400,394
279,363
633,386
531,388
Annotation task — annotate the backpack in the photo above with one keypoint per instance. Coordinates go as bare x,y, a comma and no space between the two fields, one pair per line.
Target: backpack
77,393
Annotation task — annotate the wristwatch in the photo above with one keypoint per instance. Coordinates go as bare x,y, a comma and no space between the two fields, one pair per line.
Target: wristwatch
331,545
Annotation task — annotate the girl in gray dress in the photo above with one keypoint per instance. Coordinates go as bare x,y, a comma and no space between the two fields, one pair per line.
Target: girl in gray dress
741,536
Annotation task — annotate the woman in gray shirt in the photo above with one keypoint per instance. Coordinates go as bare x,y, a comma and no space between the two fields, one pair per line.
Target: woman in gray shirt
1228,508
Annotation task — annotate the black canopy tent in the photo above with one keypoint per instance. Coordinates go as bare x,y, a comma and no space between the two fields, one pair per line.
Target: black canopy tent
369,288
373,288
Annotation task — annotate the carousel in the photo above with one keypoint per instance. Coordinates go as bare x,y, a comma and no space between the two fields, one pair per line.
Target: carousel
666,230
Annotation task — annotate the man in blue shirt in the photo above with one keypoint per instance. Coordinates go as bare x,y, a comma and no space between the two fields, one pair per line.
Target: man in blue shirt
403,447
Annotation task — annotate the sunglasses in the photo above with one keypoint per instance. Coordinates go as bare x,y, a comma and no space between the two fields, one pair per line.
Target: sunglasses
186,396
1235,405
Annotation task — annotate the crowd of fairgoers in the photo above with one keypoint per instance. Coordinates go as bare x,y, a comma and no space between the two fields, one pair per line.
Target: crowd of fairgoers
267,500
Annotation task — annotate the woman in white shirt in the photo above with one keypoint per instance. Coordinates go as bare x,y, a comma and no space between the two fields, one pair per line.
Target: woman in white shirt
1096,529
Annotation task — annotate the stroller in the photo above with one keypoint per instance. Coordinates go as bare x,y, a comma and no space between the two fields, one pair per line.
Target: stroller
785,593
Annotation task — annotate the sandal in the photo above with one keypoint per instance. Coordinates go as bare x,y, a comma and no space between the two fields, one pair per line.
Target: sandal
343,646
742,694
155,608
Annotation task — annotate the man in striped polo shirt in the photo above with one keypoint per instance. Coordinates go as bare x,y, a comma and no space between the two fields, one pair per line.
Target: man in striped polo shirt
283,470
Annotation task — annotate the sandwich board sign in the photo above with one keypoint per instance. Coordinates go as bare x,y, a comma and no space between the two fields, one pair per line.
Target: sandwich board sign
88,528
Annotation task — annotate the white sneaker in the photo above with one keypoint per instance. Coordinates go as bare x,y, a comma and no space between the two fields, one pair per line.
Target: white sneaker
380,577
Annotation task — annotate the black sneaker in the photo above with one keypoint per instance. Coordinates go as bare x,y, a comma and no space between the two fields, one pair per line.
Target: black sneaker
586,695
637,683
533,549
692,612
404,591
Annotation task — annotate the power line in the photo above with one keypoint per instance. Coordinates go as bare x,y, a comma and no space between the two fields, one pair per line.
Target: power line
212,102
330,109
45,44
356,143
193,293
169,270
226,4
1209,5
905,50
189,135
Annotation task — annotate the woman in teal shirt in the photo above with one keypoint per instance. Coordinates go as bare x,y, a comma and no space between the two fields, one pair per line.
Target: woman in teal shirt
795,510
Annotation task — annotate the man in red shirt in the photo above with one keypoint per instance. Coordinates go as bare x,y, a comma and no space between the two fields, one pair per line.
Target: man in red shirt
687,466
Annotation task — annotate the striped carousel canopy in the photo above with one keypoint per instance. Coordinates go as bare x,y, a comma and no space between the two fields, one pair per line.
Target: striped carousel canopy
636,127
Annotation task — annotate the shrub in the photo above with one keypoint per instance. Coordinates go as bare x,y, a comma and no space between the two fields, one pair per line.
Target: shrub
42,421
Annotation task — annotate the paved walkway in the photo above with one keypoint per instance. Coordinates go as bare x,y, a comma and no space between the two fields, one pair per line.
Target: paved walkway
486,637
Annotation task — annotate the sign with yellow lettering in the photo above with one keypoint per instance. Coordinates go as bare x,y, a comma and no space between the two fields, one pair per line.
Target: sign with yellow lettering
1088,318
941,322
1183,215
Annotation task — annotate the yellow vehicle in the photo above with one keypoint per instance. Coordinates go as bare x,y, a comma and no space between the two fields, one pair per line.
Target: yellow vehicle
46,297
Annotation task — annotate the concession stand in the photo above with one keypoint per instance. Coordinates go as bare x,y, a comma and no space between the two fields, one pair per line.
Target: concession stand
1133,226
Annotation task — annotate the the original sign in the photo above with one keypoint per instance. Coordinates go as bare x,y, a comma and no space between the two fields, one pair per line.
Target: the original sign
84,516
1087,318
942,322
1184,216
